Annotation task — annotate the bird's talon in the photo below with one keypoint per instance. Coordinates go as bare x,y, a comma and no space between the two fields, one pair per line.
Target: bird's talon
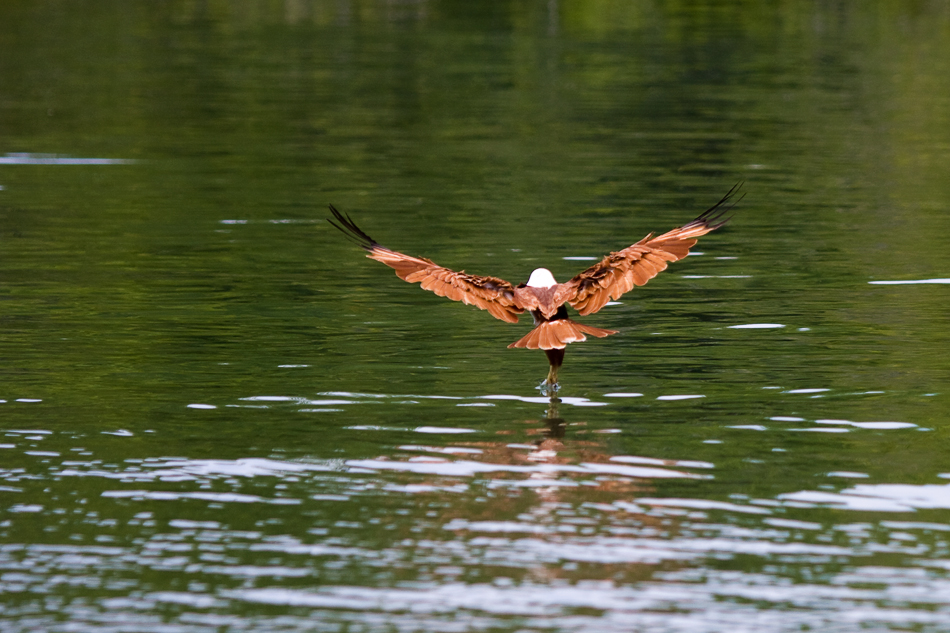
548,389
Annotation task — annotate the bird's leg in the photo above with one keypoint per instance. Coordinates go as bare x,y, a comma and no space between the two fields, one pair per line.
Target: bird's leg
551,380
556,358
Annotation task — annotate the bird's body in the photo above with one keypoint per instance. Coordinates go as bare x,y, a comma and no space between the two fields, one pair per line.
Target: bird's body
541,295
553,330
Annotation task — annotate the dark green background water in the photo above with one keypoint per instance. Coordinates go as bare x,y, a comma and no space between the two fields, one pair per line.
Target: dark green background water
217,415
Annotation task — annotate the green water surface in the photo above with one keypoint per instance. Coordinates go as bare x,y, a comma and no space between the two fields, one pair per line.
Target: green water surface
215,414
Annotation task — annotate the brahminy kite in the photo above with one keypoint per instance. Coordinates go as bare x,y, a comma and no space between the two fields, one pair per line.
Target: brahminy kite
541,295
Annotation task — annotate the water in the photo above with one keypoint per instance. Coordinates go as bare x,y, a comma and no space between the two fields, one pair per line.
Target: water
216,414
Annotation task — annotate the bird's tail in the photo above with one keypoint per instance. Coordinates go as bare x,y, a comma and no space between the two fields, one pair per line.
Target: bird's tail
557,334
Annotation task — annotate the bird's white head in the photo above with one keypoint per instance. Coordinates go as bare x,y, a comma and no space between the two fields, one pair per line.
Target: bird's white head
541,278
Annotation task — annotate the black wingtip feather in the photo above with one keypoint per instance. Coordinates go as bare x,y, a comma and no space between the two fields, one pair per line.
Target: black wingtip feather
354,233
710,217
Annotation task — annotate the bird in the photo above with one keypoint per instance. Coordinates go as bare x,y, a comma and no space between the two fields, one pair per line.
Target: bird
542,296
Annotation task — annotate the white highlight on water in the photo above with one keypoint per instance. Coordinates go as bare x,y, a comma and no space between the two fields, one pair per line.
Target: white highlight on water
878,426
26,158
910,281
877,497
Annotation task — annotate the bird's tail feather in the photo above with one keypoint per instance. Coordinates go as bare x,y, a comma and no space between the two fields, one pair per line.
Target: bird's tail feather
557,334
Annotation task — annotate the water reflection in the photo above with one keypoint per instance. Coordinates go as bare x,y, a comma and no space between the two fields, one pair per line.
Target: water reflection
548,457
530,522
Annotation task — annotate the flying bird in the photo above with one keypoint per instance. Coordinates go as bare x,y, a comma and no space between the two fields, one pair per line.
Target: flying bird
542,296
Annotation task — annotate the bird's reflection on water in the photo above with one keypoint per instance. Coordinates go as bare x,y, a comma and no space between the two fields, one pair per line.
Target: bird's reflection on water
553,417
544,483
559,459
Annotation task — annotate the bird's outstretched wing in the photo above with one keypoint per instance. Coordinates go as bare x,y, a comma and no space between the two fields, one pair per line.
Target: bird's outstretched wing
635,265
488,293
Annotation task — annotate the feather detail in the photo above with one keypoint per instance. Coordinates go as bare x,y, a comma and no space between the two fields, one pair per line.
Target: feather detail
558,334
637,264
495,295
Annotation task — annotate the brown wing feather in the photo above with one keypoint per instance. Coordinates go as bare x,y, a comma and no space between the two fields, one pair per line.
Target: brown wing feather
487,293
637,264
